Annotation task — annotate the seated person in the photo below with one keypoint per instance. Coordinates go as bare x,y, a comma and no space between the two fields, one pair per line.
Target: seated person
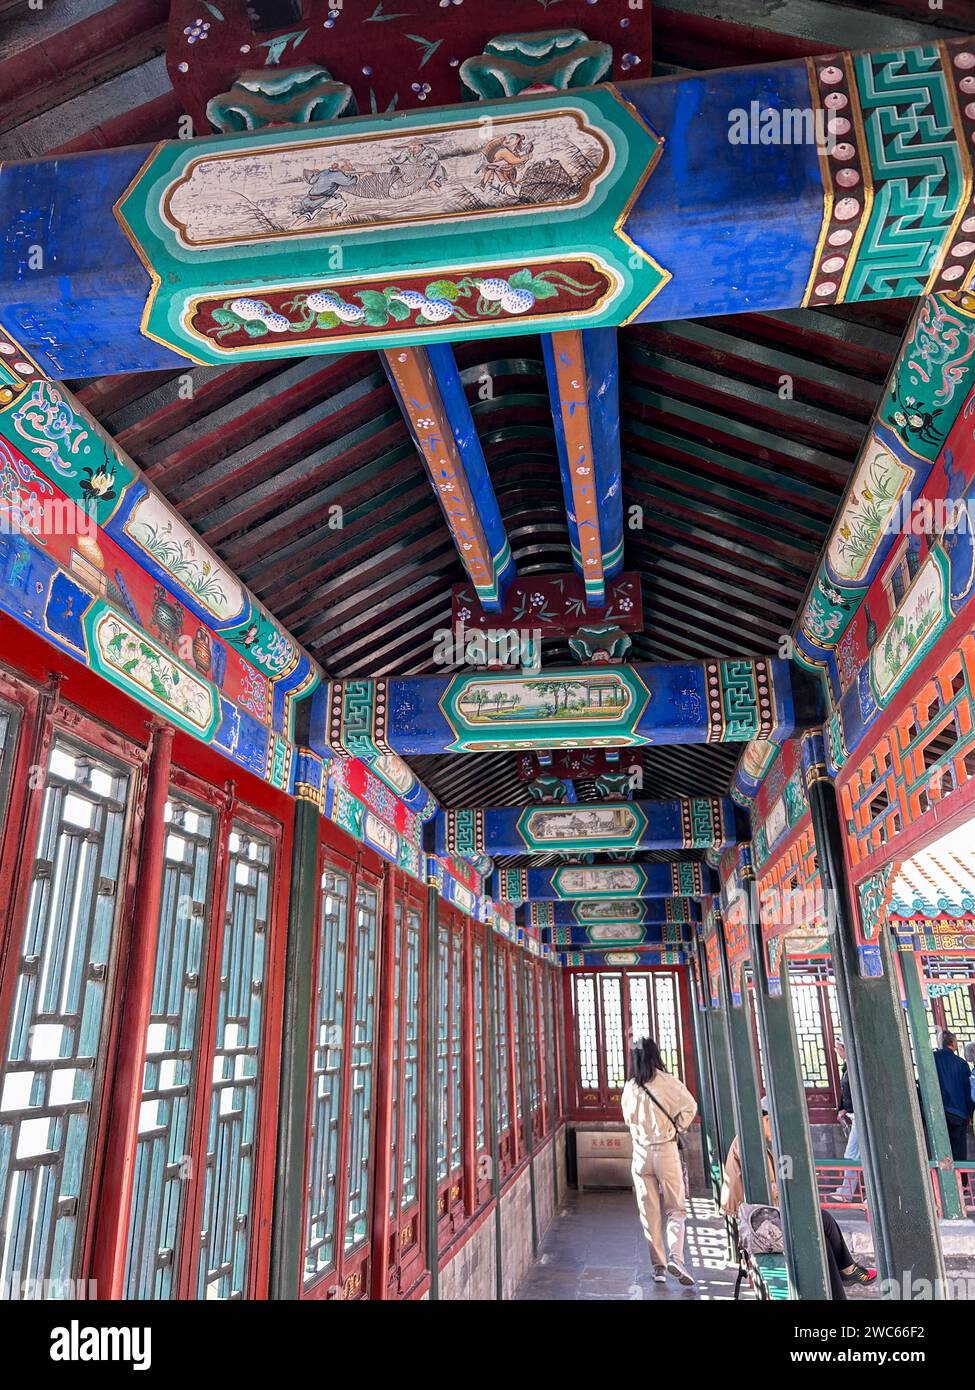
840,1264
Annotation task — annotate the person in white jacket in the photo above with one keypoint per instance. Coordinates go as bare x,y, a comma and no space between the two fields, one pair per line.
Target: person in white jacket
658,1108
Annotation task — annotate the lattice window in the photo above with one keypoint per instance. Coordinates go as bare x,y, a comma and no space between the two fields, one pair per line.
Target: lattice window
456,1049
614,1043
501,1036
640,1008
326,1090
237,1065
443,1054
410,1161
809,1034
927,754
959,1016
516,1012
9,724
395,1105
480,1049
531,992
53,1055
611,1009
668,1021
584,1000
545,1024
362,1010
160,1187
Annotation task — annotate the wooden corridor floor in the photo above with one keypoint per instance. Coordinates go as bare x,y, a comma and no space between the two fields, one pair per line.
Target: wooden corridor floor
595,1248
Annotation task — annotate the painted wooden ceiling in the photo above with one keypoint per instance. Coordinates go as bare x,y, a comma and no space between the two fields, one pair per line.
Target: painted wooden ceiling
738,483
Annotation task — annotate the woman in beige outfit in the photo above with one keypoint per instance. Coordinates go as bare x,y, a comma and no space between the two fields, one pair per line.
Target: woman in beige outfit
657,1107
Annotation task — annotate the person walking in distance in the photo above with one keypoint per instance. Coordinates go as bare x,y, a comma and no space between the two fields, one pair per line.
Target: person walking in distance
847,1188
955,1078
658,1108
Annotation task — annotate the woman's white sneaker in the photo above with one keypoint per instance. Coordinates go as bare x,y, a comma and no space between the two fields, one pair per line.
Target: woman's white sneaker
659,1274
679,1272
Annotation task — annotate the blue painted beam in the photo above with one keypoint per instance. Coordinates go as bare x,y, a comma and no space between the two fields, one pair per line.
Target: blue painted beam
624,957
428,388
608,912
572,882
689,823
698,195
724,701
650,934
583,381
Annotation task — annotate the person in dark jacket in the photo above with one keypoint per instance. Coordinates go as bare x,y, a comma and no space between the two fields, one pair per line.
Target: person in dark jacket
847,1188
955,1077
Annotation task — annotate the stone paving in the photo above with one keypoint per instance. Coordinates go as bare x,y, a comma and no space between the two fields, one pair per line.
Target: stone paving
595,1249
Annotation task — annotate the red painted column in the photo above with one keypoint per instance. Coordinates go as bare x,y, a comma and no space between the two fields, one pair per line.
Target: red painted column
384,1094
567,1039
469,1079
115,1194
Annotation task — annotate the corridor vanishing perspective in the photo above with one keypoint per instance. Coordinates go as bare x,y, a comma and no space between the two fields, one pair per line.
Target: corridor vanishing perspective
487,657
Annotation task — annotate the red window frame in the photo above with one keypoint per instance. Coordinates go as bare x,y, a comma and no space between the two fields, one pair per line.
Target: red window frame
533,1032
45,717
231,813
451,967
349,1274
405,1228
479,1062
603,1101
86,709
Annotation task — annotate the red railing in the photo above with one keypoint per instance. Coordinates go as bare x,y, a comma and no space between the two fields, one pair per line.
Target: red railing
841,1176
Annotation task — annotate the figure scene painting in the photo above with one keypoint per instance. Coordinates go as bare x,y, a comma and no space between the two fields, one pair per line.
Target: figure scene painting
366,181
580,822
599,879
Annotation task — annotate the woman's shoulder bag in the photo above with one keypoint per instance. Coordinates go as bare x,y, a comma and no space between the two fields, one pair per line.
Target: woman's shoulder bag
678,1132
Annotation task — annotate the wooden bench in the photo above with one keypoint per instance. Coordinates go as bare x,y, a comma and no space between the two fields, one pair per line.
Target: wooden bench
769,1277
